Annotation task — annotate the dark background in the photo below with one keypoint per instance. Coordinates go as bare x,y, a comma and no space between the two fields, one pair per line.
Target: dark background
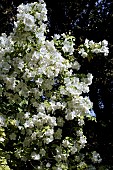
92,19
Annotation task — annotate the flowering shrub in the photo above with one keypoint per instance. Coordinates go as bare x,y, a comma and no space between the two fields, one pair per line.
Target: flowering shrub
43,108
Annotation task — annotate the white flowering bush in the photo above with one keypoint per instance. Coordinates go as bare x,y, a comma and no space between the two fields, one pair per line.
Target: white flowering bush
43,107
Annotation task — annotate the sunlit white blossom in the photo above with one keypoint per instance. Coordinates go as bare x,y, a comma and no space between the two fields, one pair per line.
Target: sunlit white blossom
35,156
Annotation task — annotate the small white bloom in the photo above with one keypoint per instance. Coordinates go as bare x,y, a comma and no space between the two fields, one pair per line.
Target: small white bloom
91,43
104,50
76,65
38,15
35,56
2,120
48,165
83,141
2,139
29,22
48,140
70,116
84,54
49,132
65,143
81,50
96,50
52,121
104,43
28,124
73,150
80,122
56,36
35,156
26,115
96,157
86,43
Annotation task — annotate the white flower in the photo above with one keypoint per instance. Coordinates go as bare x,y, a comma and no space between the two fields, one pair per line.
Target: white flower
48,140
35,156
38,15
73,150
52,121
88,80
84,54
28,124
24,8
86,43
26,115
65,48
65,143
64,157
96,50
29,22
2,139
58,158
3,40
96,157
36,56
56,36
83,141
50,46
49,132
39,81
48,165
80,122
104,50
79,133
2,121
76,65
41,109
68,47
104,43
91,43
81,51
70,116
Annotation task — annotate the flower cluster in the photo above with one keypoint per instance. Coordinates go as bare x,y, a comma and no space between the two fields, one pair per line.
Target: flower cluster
43,110
96,157
90,47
